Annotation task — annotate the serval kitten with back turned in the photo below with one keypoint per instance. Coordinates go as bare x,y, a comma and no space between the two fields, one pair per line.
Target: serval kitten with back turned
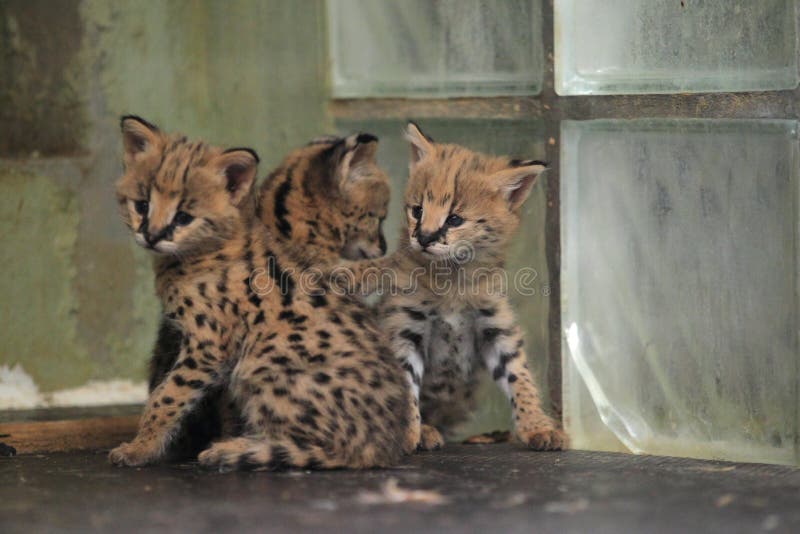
328,200
324,202
307,369
445,312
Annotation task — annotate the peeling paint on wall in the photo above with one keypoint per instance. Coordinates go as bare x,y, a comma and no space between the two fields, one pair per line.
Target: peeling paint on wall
18,391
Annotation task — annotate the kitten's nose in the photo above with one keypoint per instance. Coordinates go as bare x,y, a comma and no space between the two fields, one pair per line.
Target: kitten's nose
151,239
426,239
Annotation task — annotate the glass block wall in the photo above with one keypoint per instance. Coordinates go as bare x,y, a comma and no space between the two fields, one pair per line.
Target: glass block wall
519,138
679,254
667,46
416,48
680,287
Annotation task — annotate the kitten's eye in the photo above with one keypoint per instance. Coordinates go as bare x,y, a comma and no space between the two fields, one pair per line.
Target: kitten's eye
454,220
416,212
141,207
182,218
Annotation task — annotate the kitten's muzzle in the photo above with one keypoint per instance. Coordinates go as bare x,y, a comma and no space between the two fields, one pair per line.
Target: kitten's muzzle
152,238
426,239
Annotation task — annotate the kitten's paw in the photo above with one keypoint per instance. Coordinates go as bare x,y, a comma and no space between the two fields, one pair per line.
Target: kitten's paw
543,439
411,439
430,439
132,454
224,455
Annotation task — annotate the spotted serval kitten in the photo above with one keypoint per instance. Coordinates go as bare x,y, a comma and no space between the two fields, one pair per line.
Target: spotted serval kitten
311,379
446,315
328,200
325,201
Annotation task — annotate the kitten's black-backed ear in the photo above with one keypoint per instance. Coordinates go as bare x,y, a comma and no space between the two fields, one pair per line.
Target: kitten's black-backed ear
358,149
421,144
237,166
138,136
515,182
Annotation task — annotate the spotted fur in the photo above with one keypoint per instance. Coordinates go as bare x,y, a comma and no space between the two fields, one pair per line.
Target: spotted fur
448,316
325,201
306,368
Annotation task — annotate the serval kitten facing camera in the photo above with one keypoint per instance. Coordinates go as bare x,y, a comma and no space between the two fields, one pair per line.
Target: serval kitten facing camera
311,380
446,310
325,201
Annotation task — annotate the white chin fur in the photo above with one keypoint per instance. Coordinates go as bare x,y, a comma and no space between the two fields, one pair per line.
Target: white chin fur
162,247
167,247
438,251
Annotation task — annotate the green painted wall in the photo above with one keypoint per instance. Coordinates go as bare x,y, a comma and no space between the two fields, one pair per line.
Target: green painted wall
77,297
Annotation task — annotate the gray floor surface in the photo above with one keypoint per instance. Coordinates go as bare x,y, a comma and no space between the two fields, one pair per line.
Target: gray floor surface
479,488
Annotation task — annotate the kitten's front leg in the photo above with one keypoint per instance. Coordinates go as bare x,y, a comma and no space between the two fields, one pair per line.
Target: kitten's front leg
501,345
197,368
406,327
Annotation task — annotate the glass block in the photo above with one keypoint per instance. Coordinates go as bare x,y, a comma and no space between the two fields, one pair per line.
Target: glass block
526,255
418,48
680,287
666,46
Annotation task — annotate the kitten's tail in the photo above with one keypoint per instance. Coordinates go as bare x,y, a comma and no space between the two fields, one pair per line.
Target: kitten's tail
279,453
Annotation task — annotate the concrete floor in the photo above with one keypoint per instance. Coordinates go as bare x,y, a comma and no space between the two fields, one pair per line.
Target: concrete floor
485,488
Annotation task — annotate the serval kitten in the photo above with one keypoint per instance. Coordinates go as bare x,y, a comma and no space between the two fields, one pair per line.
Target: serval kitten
328,200
312,381
444,310
325,201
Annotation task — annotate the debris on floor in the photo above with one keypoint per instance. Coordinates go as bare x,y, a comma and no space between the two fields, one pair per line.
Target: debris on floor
392,493
567,507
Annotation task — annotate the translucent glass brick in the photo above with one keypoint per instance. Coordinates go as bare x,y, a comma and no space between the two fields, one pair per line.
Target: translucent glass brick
519,138
680,287
418,48
667,46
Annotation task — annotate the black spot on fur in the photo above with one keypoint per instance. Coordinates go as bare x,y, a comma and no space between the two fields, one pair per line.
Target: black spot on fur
413,337
415,315
322,378
280,210
318,301
490,334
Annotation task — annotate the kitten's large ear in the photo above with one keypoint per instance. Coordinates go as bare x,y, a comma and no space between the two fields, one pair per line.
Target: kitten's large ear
238,167
421,144
515,182
138,136
359,149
